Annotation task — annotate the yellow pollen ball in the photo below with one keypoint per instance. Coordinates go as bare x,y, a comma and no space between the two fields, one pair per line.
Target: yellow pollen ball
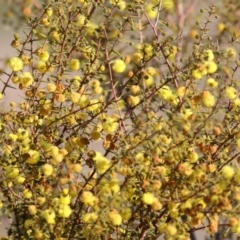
148,198
228,172
231,92
115,218
74,64
47,169
16,64
118,66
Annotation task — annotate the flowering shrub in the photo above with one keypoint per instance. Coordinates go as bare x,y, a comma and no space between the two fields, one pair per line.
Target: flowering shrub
149,83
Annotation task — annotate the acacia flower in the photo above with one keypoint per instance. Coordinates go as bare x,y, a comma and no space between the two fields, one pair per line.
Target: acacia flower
211,82
211,67
102,165
208,99
115,218
118,66
51,87
89,217
151,10
148,198
44,56
41,66
26,79
74,64
34,157
16,64
88,198
109,125
49,215
47,169
228,172
231,92
64,211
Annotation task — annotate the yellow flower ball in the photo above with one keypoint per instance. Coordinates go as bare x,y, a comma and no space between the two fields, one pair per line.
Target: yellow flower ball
151,10
102,165
148,80
74,64
96,135
114,185
22,134
44,56
49,12
58,158
89,217
88,198
221,27
181,91
41,200
193,156
15,79
211,67
20,179
91,28
230,53
167,4
16,64
151,71
83,101
156,206
97,90
77,167
51,87
54,150
165,92
208,99
27,193
228,172
47,169
207,55
55,36
41,66
118,66
94,105
133,100
109,125
126,213
13,137
115,218
65,199
211,82
32,209
236,102
64,211
197,74
49,215
26,79
12,172
186,113
74,97
148,198
135,89
231,92
137,57
171,230
80,20
34,157
60,97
